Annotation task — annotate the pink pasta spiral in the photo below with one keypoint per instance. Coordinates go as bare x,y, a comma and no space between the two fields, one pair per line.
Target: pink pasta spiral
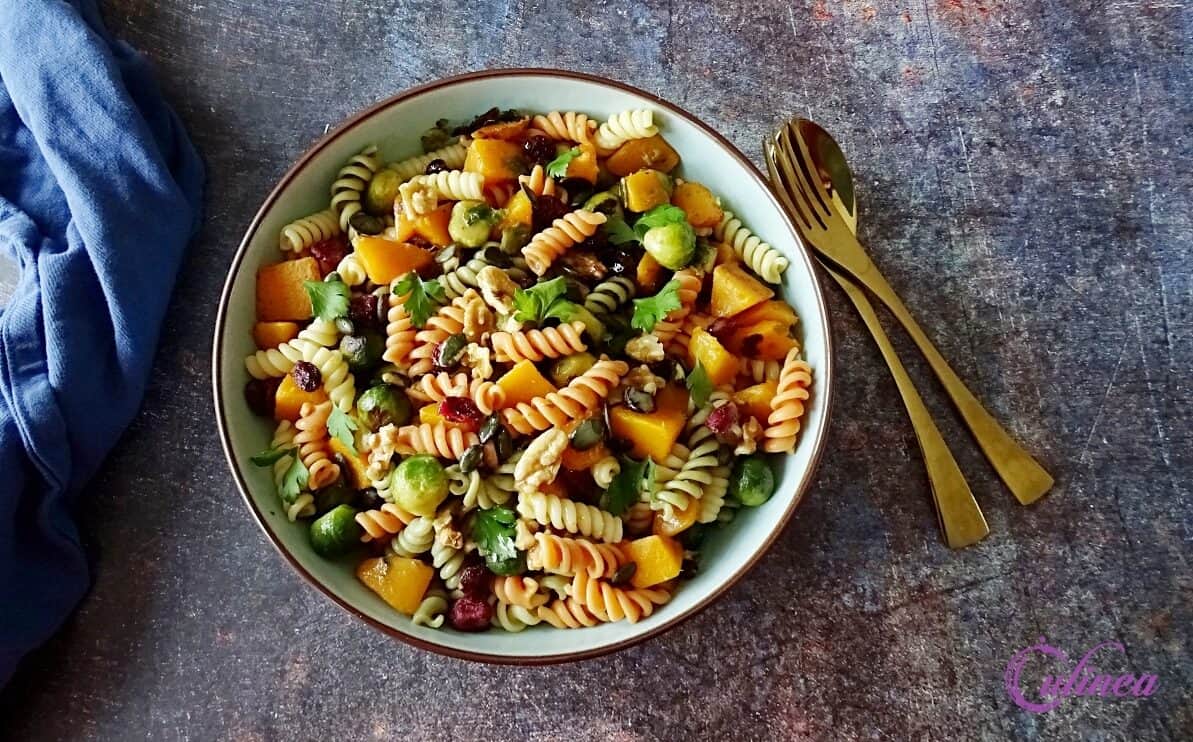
570,126
611,603
383,522
519,591
436,439
487,395
576,400
787,406
541,184
567,614
311,440
555,240
535,345
448,321
690,280
399,333
567,556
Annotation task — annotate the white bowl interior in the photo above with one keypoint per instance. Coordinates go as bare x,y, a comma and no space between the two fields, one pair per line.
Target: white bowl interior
395,129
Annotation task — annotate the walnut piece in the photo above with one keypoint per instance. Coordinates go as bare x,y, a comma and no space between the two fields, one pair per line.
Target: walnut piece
540,462
497,289
645,348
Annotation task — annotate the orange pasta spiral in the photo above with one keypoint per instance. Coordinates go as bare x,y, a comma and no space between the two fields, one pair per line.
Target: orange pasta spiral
555,240
690,280
448,321
541,184
567,556
383,522
570,126
567,614
436,439
487,395
576,400
611,603
519,591
535,345
787,406
399,333
311,440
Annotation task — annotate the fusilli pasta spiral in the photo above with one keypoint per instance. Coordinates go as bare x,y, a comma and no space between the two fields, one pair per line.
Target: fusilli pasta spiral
624,126
436,439
422,193
519,591
448,321
467,276
449,561
453,155
311,440
787,406
555,240
301,233
569,127
338,382
696,474
605,470
576,400
541,184
535,345
431,610
400,333
761,257
608,295
611,603
759,371
353,179
275,362
690,280
514,618
383,522
351,271
567,556
474,490
414,539
714,495
570,516
567,613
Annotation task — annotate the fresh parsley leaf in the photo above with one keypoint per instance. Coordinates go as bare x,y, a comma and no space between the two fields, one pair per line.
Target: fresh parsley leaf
270,456
341,426
423,298
294,480
558,167
562,310
659,216
626,487
543,301
649,311
493,531
619,232
699,385
329,299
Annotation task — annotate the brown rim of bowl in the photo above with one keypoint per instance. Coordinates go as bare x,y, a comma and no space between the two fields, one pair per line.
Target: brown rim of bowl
671,621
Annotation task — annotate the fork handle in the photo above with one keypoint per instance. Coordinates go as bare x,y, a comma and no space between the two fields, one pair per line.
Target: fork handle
961,520
1021,473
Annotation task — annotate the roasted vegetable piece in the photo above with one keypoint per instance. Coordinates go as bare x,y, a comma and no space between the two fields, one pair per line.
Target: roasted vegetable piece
658,559
363,351
383,189
648,274
652,434
400,581
280,292
569,367
523,383
698,203
384,404
720,365
756,399
734,290
419,485
332,496
496,159
273,334
471,222
653,152
355,467
673,245
751,482
584,166
335,532
645,190
775,309
289,399
518,212
768,340
384,260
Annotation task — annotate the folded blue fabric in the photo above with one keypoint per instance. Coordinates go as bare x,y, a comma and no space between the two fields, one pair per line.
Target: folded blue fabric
100,192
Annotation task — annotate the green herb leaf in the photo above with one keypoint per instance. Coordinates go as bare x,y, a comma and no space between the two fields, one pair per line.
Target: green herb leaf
542,301
649,311
626,487
619,232
329,299
270,456
294,480
659,216
341,426
562,310
493,531
423,298
558,167
699,385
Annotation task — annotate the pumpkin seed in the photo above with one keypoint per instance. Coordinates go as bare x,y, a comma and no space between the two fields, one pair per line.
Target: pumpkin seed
471,458
448,353
638,400
490,428
367,223
588,434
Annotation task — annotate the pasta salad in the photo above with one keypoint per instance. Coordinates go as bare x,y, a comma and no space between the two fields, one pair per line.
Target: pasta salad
517,378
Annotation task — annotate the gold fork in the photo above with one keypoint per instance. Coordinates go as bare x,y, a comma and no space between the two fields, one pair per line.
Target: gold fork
826,232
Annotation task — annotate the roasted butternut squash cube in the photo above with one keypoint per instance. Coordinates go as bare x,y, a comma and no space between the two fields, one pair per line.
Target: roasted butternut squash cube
289,399
719,363
672,397
354,464
432,226
430,414
280,292
658,558
645,190
768,340
734,290
523,383
652,434
755,400
585,165
648,273
652,152
519,212
272,334
698,203
400,581
384,260
496,159
581,460
725,253
775,309
403,226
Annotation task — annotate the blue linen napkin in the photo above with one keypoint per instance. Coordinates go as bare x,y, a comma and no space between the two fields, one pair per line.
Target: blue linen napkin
100,192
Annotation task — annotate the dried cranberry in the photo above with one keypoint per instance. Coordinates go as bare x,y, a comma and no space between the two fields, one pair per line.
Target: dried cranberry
329,253
475,580
620,261
470,614
460,410
436,166
307,376
722,418
363,309
546,210
368,499
259,396
539,149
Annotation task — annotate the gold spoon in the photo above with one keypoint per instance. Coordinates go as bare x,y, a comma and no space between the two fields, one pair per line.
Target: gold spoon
961,520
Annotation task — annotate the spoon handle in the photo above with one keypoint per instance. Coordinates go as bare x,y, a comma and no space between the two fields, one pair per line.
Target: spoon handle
1022,474
961,520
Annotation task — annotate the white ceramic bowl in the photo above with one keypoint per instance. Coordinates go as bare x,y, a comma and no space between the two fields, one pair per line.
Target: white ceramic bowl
394,125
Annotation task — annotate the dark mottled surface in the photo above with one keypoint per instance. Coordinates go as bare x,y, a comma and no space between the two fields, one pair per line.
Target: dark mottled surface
1025,174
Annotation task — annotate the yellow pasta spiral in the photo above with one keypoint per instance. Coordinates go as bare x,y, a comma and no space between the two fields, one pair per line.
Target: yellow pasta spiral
570,516
519,591
437,439
399,333
578,399
555,240
383,522
567,556
453,155
570,126
624,126
338,381
302,233
567,614
611,603
787,406
311,440
535,345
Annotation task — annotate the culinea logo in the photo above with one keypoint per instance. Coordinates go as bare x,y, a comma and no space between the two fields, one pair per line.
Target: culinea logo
1056,688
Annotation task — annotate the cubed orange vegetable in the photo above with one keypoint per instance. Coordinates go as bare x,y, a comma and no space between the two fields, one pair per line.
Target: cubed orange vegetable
403,226
658,558
273,334
519,212
768,340
653,152
432,226
672,521
430,414
698,203
585,165
400,581
648,274
645,190
725,253
496,159
384,260
719,363
653,434
280,292
775,309
581,460
734,290
507,130
289,399
672,397
755,400
523,383
354,464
